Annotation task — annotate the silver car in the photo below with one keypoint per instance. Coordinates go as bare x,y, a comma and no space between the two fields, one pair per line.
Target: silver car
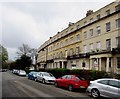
22,73
106,87
45,77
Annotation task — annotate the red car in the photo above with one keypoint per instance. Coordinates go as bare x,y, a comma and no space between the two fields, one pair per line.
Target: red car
71,82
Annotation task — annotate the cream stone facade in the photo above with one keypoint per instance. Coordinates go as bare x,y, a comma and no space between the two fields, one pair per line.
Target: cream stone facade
91,43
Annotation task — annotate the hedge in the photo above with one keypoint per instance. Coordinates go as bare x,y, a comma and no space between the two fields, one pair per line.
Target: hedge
87,74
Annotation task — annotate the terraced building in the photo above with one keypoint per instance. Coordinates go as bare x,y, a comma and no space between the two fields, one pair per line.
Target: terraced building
91,43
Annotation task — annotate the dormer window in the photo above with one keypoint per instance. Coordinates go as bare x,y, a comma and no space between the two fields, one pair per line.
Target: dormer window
91,20
98,16
117,8
78,26
85,23
107,12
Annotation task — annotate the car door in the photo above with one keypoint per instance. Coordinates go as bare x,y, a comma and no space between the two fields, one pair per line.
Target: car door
41,77
38,76
113,88
63,80
102,86
67,81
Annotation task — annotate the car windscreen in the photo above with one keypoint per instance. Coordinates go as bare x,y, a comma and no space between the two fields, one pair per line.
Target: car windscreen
48,74
22,71
34,73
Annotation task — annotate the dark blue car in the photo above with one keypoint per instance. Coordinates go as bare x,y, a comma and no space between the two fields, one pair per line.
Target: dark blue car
32,75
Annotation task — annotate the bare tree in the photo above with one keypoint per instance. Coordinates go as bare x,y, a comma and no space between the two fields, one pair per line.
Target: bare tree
24,50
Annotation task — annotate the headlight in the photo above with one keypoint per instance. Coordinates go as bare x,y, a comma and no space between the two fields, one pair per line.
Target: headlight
33,75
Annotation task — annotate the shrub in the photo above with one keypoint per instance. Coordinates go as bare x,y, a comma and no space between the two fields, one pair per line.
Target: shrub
87,74
58,72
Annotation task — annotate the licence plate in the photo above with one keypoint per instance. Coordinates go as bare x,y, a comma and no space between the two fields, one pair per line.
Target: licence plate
82,87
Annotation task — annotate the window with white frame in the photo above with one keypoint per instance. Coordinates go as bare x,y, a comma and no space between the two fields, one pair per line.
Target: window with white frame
57,45
108,44
66,42
84,48
98,29
91,47
98,45
71,51
66,53
107,26
85,34
54,55
91,32
118,62
77,50
57,55
51,56
71,40
77,62
118,23
98,16
77,37
118,41
51,48
61,44
61,54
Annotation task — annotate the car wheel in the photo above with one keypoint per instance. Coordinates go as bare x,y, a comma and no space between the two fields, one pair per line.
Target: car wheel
95,93
43,81
70,88
56,84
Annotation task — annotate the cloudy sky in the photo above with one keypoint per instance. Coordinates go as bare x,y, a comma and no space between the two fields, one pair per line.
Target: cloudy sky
32,22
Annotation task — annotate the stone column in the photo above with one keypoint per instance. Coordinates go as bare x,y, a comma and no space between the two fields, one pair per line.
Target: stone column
54,65
62,64
100,66
58,65
91,64
107,65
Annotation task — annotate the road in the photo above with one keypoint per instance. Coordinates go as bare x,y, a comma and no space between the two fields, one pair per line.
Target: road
16,86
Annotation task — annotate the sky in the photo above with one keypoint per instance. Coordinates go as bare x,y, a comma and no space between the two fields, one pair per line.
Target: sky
32,22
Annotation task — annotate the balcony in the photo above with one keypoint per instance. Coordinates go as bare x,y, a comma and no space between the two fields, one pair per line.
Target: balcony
115,51
50,61
83,55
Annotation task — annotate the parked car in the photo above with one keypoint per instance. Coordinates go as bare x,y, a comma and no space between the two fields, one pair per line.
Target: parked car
45,77
32,75
15,71
106,87
22,73
71,82
3,70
